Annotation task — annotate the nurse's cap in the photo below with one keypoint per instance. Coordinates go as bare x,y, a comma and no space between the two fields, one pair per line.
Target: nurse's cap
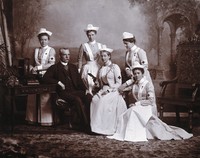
44,30
104,48
90,27
127,35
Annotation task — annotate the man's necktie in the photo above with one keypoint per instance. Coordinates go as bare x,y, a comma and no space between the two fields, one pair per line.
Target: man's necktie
66,67
68,77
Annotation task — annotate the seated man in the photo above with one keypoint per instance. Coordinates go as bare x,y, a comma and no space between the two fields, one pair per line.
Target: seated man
70,85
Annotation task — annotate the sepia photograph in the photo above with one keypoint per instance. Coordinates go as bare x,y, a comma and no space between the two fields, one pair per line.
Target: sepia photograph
99,78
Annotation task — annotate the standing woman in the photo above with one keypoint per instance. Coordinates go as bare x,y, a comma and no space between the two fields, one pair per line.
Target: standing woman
90,51
139,123
134,54
107,104
44,57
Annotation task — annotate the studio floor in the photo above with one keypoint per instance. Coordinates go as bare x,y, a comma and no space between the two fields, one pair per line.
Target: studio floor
59,141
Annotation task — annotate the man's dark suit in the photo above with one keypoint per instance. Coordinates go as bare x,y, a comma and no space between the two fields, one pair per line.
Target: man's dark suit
74,92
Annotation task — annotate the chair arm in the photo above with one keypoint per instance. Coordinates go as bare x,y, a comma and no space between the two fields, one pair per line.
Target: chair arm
164,85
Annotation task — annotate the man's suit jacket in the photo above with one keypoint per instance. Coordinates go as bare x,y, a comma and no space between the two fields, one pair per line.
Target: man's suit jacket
57,73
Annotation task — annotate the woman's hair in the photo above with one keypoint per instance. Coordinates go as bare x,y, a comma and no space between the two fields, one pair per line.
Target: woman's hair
140,69
43,34
131,40
91,31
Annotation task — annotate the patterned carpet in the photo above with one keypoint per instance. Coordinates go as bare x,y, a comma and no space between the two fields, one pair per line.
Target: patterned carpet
59,142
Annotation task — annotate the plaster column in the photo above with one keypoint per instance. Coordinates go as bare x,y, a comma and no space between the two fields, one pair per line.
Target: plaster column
173,47
160,30
159,69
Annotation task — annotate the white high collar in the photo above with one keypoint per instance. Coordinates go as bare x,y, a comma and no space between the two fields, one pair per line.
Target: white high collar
65,64
93,42
141,81
134,48
108,63
45,47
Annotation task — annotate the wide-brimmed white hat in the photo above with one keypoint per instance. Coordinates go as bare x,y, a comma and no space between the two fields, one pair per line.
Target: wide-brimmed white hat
44,30
91,27
105,48
127,35
137,65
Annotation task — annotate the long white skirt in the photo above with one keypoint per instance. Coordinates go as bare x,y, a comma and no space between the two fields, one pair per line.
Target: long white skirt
45,113
90,67
104,112
160,130
132,124
138,124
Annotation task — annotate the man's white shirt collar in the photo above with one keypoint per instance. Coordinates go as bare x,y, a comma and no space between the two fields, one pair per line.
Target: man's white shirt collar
65,64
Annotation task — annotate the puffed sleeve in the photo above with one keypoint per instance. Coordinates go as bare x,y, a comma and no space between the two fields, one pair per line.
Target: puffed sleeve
37,62
117,76
52,56
150,98
129,82
51,59
99,82
143,58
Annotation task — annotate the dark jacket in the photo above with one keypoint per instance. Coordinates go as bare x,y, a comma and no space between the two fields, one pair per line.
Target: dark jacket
57,73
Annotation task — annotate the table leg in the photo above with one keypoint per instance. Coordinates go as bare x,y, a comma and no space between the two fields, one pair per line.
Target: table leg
12,113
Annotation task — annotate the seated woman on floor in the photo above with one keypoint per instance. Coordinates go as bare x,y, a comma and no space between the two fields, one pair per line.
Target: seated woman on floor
139,123
107,104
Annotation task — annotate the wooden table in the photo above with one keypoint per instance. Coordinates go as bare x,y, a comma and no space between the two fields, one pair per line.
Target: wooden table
13,92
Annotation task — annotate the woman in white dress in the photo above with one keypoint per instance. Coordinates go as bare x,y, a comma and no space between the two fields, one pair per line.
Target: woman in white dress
44,57
90,52
107,104
134,54
138,123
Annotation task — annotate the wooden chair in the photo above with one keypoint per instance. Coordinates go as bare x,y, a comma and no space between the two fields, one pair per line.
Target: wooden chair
186,84
64,109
